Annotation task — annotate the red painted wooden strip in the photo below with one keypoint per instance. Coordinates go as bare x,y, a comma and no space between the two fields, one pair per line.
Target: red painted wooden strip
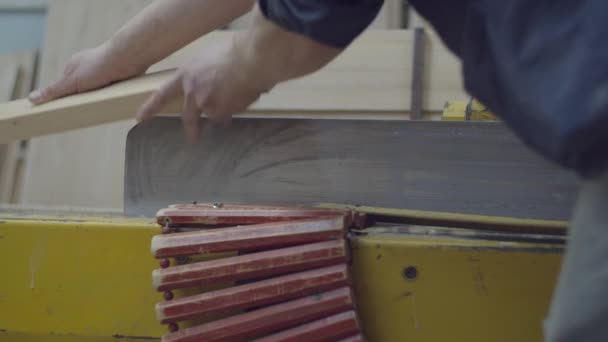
207,214
356,338
264,292
247,238
266,320
262,264
329,329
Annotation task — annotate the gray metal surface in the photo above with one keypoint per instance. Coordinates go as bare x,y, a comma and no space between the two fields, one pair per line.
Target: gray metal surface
464,167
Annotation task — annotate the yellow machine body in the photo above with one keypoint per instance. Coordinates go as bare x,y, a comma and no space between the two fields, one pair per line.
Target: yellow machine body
89,279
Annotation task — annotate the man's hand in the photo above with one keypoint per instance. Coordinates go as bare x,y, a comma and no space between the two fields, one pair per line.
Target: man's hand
87,70
214,83
153,34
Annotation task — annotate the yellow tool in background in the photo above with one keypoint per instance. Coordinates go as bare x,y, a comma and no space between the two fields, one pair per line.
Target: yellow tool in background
471,110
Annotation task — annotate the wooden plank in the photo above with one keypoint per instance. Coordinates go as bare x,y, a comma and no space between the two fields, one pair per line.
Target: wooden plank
266,320
260,293
462,167
248,238
327,329
249,266
350,83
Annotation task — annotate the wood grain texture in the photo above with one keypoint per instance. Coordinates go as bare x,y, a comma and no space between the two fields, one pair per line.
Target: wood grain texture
248,238
328,329
256,294
461,167
266,320
250,266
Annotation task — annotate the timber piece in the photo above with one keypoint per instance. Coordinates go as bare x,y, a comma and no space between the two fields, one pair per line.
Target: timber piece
328,329
348,75
256,294
248,238
20,119
478,168
250,266
266,320
220,214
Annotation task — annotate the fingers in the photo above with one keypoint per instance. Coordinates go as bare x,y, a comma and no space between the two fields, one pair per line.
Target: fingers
155,103
65,86
191,120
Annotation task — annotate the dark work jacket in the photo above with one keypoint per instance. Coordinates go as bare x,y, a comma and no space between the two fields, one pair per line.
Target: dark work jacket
542,65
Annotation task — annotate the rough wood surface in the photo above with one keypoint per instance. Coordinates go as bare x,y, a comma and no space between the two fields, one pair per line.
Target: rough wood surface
327,329
248,238
250,266
461,167
263,321
259,293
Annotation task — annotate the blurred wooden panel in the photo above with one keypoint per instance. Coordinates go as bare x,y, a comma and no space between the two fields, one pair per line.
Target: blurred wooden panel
82,168
16,77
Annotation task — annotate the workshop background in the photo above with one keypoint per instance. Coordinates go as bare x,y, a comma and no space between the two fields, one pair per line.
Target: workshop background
449,228
84,168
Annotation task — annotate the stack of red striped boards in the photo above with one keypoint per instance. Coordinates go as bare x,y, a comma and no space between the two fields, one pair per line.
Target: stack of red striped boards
289,280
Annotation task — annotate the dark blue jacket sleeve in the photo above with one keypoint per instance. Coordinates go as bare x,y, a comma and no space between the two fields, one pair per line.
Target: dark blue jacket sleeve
333,22
540,65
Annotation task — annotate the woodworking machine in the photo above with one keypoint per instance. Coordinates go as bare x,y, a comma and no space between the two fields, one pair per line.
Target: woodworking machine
300,230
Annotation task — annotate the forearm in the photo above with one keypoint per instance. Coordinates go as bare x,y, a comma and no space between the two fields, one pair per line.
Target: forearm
268,54
167,25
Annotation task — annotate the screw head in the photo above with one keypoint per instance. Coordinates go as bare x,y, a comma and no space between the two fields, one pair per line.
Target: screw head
410,273
168,295
218,205
164,263
166,229
173,327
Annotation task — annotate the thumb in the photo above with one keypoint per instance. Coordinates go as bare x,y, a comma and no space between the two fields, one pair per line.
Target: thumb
65,86
156,102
